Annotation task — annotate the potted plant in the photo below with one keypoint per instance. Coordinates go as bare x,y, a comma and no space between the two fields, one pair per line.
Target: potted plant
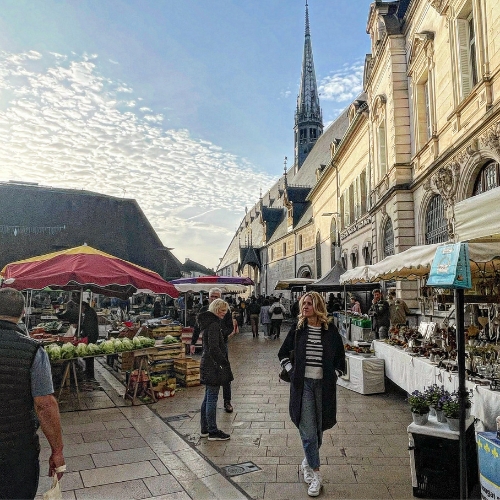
451,409
419,407
434,395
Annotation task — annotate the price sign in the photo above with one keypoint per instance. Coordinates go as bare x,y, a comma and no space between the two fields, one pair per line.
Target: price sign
451,267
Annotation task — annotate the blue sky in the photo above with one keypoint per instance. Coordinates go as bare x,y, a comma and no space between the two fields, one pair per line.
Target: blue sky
186,105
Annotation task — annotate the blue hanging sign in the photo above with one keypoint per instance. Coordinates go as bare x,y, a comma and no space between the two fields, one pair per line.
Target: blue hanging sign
451,267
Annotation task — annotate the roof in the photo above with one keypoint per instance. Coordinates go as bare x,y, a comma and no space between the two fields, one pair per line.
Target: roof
192,266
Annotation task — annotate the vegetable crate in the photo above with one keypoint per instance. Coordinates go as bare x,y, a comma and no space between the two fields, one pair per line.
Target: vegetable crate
125,361
169,351
187,372
160,331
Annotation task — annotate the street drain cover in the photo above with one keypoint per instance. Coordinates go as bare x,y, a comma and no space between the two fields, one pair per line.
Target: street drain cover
239,469
175,418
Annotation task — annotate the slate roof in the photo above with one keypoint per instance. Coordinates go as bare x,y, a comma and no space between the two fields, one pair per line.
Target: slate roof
191,266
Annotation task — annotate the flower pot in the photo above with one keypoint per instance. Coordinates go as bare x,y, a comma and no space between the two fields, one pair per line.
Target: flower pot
420,419
440,416
453,423
432,411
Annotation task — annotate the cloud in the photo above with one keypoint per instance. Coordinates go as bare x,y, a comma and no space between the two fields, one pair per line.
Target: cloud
342,85
64,124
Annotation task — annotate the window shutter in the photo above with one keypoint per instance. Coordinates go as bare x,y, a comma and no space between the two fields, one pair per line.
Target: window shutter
364,194
463,57
342,212
382,150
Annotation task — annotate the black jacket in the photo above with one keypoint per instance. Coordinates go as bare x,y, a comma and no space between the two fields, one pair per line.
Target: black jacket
333,359
90,325
227,325
213,360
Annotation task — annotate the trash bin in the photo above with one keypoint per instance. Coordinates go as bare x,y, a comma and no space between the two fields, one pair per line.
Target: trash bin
435,459
488,451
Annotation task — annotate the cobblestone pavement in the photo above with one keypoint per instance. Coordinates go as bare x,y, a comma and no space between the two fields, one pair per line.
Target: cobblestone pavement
115,450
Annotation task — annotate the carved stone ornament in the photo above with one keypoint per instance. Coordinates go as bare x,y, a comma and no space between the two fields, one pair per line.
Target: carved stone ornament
440,5
491,138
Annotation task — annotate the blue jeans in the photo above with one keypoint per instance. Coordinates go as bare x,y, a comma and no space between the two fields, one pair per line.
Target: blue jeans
310,426
209,408
226,388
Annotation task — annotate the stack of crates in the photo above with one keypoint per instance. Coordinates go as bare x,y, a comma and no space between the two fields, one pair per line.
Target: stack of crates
187,372
125,361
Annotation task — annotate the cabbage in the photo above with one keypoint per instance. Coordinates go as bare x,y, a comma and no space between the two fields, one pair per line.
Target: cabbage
169,339
54,352
93,349
127,344
67,351
145,341
119,346
108,347
137,342
81,350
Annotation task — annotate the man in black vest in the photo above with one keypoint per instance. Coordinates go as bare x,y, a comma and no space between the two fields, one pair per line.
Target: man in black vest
229,328
26,392
90,329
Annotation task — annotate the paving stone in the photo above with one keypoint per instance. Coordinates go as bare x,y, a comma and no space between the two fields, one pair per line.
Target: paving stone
119,491
81,428
81,462
159,466
129,432
74,450
117,474
222,488
267,474
198,490
162,485
101,435
288,474
119,424
123,457
127,443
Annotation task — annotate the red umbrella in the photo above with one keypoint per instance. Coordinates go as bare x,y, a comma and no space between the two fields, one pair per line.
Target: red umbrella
84,268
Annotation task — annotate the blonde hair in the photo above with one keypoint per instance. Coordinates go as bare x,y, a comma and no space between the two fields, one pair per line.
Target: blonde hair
217,306
319,308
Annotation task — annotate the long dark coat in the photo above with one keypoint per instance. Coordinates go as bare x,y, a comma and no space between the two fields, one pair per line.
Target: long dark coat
333,359
214,350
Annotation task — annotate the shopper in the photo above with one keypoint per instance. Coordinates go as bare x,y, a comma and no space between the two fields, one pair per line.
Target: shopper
26,404
355,306
254,311
276,311
157,308
215,369
230,328
398,310
319,360
265,318
379,312
90,329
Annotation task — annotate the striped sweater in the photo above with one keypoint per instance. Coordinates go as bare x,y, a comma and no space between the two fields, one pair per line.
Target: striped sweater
314,353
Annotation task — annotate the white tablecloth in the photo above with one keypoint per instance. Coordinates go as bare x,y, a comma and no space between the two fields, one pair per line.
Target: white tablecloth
364,375
416,373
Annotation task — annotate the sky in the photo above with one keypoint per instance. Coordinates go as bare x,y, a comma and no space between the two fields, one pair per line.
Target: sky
186,106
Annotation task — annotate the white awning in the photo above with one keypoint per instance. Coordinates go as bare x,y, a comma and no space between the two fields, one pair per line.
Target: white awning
205,287
477,218
288,284
416,262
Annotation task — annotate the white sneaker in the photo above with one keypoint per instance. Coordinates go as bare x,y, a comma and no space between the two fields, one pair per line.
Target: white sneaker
307,471
316,485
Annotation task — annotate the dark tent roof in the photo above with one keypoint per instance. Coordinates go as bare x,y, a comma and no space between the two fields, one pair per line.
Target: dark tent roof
330,282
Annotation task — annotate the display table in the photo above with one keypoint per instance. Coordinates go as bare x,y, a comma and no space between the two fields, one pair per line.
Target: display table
434,459
488,450
416,373
363,375
352,332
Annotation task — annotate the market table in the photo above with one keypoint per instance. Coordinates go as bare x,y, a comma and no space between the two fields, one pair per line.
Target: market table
364,375
415,373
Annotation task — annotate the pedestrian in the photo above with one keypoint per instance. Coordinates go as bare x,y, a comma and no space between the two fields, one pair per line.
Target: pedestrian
265,318
398,309
157,308
295,309
355,305
319,360
71,312
276,312
380,315
229,328
27,403
254,312
90,329
215,369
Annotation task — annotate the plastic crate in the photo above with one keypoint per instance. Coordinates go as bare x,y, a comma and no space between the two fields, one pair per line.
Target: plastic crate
437,465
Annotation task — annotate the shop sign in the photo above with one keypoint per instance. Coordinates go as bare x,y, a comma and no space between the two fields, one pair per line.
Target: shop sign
451,267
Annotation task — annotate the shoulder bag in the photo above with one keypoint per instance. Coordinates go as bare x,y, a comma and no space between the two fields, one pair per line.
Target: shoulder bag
284,374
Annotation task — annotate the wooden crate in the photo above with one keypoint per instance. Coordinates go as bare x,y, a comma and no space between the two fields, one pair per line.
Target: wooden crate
185,363
187,371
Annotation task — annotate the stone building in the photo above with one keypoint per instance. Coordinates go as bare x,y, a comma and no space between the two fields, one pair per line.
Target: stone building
424,135
36,220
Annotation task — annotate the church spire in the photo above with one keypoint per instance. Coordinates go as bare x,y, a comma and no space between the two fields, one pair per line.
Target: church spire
308,116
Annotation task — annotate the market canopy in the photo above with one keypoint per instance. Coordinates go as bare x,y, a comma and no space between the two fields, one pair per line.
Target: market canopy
330,282
288,284
416,263
476,218
227,284
84,268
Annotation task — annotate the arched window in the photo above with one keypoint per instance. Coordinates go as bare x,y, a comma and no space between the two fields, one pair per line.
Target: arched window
436,228
318,256
333,240
388,239
488,178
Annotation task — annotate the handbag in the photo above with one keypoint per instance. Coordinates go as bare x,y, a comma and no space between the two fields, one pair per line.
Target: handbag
54,493
284,374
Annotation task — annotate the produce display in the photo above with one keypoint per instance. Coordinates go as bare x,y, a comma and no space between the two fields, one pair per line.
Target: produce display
169,339
111,346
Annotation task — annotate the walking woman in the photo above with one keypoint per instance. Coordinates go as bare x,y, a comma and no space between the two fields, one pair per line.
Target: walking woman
215,369
319,360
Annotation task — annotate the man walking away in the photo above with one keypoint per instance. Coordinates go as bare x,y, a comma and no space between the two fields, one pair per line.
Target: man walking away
26,392
254,312
276,312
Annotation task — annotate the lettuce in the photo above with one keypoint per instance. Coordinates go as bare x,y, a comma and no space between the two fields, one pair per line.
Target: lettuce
108,347
93,349
81,350
67,351
54,352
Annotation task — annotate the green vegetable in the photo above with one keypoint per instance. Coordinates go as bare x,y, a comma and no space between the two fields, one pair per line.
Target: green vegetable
81,350
108,347
67,351
53,351
169,339
93,349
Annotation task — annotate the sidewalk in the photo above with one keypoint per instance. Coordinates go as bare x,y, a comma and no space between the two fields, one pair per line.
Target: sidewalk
130,452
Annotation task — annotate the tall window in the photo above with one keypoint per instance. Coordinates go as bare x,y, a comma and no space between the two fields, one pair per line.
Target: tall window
388,239
467,51
363,191
318,256
333,241
436,228
300,242
488,178
382,150
284,249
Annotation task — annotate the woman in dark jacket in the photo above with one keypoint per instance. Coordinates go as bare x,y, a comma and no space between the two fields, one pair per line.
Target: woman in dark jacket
215,369
319,360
